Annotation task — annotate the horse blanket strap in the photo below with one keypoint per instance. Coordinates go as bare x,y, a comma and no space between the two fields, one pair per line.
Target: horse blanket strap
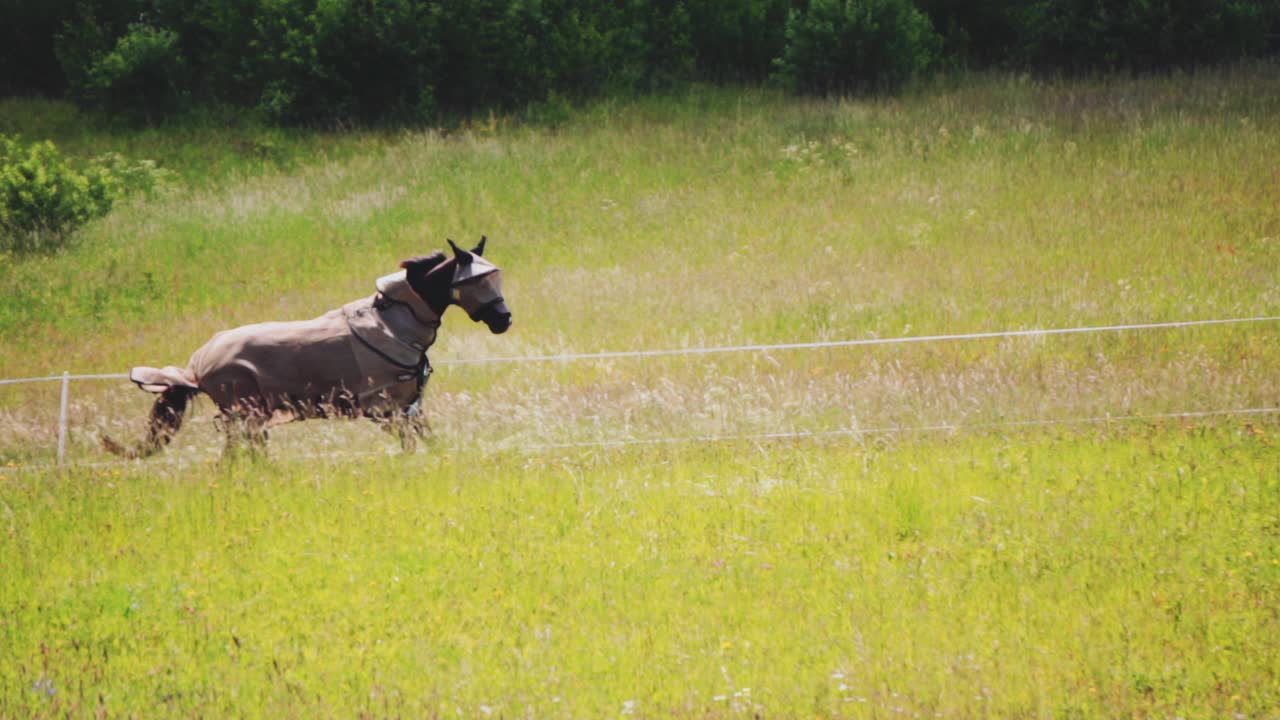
392,330
424,374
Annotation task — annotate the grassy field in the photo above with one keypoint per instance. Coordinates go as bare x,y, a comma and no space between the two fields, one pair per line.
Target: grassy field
1091,574
964,534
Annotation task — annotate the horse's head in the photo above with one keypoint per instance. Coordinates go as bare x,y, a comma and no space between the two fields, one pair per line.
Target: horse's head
467,280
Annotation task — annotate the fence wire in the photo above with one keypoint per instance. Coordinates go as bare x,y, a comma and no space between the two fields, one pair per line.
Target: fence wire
695,439
66,377
862,342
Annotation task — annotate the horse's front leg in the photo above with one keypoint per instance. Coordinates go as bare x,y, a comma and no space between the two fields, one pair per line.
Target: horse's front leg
401,416
411,429
408,429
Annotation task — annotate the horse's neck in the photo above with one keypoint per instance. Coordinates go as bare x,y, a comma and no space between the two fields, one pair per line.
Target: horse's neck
397,291
434,287
407,326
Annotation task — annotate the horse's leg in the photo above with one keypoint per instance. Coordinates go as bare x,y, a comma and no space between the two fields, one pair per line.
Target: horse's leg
413,423
256,434
410,429
406,428
228,423
164,422
245,428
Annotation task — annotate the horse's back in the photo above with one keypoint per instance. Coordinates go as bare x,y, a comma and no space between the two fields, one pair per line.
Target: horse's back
298,359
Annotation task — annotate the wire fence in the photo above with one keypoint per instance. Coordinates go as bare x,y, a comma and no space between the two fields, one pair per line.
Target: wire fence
66,377
725,438
862,342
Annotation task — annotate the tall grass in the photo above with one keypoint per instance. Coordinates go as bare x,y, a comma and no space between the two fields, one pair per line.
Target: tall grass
721,217
718,215
1091,574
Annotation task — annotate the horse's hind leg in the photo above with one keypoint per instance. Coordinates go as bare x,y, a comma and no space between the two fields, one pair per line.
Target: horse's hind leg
246,433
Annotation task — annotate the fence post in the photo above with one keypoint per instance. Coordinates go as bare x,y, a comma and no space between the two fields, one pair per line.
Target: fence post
62,417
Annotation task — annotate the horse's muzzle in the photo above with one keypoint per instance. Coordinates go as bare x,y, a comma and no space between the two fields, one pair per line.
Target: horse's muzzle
497,316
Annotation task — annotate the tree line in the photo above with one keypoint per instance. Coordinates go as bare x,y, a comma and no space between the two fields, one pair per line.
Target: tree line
306,61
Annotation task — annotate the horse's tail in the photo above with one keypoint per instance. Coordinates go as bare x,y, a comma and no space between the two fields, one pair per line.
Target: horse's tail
175,387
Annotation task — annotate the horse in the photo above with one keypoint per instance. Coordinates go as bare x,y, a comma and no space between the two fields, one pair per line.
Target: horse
367,358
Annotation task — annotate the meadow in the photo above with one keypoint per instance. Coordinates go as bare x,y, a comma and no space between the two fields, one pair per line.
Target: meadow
1055,526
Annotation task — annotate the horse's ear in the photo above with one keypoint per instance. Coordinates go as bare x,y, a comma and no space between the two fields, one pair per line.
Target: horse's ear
464,257
479,249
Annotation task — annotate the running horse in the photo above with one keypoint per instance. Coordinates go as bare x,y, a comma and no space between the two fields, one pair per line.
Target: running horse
367,358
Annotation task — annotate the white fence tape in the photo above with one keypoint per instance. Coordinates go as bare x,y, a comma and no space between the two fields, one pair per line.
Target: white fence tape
865,342
860,343
66,377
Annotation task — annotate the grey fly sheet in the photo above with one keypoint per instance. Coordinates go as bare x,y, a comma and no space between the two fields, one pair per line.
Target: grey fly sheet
367,358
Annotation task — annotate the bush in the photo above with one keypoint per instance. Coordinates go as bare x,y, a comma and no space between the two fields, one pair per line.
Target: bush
142,78
1140,34
372,61
28,64
737,39
343,59
842,46
43,198
976,33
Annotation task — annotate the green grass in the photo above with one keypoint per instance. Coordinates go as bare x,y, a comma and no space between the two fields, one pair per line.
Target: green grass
998,203
1100,573
1028,562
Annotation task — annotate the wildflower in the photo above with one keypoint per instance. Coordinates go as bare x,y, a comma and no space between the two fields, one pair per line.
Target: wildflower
44,685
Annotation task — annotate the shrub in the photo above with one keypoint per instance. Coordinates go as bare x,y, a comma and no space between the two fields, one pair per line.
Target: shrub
976,33
737,39
28,64
342,59
841,46
44,198
1140,34
138,72
142,77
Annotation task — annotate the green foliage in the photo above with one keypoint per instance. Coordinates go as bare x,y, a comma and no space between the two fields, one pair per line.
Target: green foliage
975,32
87,34
735,39
838,46
327,61
1140,34
28,64
340,59
142,77
302,61
44,197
